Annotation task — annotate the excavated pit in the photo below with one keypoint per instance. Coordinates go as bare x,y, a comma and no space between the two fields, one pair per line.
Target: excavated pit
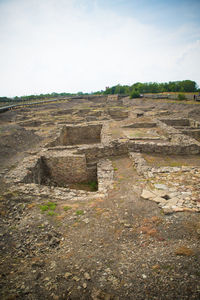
79,134
64,171
189,127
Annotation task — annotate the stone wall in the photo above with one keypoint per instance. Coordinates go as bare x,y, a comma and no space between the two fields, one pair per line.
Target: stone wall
80,134
165,148
118,114
194,133
141,125
176,122
112,97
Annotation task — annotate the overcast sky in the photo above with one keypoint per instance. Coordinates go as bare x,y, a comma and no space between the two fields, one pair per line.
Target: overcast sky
85,45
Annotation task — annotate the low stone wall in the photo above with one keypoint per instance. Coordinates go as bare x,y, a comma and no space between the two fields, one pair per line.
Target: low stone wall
118,114
194,133
112,97
141,125
164,147
176,122
94,153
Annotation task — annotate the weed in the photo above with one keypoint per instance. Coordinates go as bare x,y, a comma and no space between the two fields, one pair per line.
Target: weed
66,208
49,206
79,212
51,213
44,207
115,169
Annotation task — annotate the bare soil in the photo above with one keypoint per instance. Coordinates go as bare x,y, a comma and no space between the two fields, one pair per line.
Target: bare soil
121,247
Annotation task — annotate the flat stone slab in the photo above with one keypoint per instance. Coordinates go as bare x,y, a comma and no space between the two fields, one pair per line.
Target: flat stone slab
160,186
147,195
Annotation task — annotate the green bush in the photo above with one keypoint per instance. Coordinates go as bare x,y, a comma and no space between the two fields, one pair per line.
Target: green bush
135,94
181,97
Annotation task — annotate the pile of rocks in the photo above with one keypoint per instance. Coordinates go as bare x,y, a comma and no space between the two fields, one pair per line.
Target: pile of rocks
173,188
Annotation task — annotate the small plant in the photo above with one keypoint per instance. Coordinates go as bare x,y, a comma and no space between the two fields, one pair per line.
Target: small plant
181,97
66,208
79,212
49,206
44,207
134,94
51,213
115,169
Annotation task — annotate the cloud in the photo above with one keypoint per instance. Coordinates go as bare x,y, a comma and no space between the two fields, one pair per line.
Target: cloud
74,46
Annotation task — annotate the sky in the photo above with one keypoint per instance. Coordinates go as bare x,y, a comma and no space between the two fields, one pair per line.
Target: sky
86,45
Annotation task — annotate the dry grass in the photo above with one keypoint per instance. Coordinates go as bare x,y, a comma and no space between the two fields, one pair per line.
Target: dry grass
183,250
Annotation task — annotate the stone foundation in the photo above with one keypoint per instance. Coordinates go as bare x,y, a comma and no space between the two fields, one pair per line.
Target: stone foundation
78,134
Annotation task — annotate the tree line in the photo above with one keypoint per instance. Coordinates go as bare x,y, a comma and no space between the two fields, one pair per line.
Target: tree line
133,90
154,87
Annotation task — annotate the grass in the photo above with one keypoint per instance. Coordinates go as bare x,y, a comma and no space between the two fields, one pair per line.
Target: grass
66,208
50,207
51,213
79,212
184,251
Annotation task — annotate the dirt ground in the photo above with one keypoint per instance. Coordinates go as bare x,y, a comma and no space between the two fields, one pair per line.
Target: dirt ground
121,247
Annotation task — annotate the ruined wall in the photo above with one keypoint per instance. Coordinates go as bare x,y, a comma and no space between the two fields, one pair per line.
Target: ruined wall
113,97
37,173
87,134
194,133
93,154
176,122
118,114
141,125
164,148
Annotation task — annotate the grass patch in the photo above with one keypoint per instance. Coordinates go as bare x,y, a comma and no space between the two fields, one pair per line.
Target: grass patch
51,213
79,212
50,207
44,207
66,208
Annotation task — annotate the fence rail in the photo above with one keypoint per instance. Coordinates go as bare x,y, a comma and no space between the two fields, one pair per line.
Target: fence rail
22,104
